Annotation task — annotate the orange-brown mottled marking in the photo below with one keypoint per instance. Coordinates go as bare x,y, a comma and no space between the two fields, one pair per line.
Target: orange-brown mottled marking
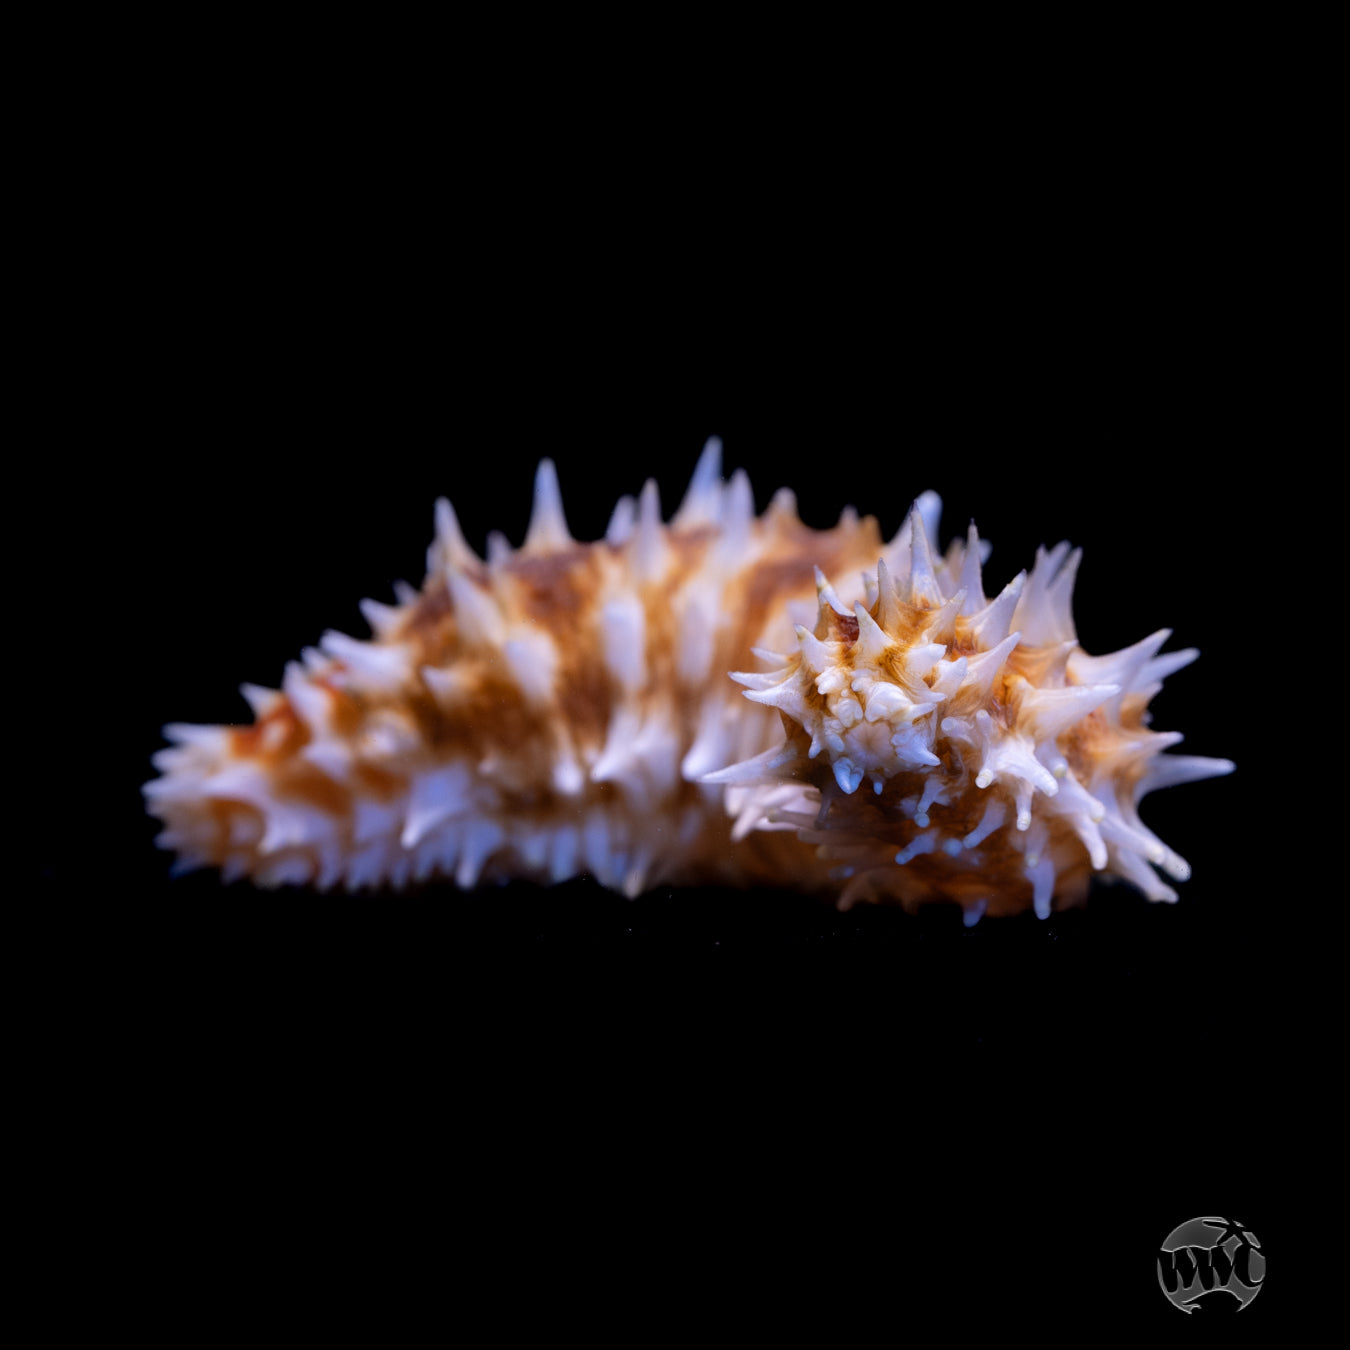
430,618
275,737
1088,743
963,643
846,626
557,593
347,710
1044,666
378,783
222,812
555,590
299,781
1132,709
787,570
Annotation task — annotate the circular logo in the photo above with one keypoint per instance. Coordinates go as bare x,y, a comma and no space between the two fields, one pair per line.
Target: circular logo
1212,1264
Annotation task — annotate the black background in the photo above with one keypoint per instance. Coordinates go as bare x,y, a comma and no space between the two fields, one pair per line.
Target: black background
280,355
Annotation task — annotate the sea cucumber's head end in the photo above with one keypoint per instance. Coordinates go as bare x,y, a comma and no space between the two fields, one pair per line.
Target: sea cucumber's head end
1005,764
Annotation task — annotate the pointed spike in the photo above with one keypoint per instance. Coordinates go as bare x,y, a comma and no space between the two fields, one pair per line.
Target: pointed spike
481,840
624,633
738,516
923,582
921,659
191,734
827,595
1045,612
1158,741
702,500
888,602
827,600
712,745
649,544
929,506
991,627
373,666
972,580
1060,594
1125,667
951,675
532,660
436,796
816,655
635,878
1160,667
1035,614
261,700
548,526
984,667
1173,770
621,522
310,702
566,775
740,501
898,552
941,625
871,642
1049,561
786,696
1050,712
476,613
755,679
449,547
1152,644
383,619
950,564
762,768
784,504
499,549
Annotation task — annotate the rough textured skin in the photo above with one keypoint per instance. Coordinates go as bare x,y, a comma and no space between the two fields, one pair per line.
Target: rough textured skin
566,707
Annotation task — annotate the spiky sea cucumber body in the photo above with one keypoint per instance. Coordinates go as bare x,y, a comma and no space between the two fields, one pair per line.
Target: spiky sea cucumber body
566,708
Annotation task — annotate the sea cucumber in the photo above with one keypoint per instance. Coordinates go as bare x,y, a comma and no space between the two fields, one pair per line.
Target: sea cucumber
573,707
